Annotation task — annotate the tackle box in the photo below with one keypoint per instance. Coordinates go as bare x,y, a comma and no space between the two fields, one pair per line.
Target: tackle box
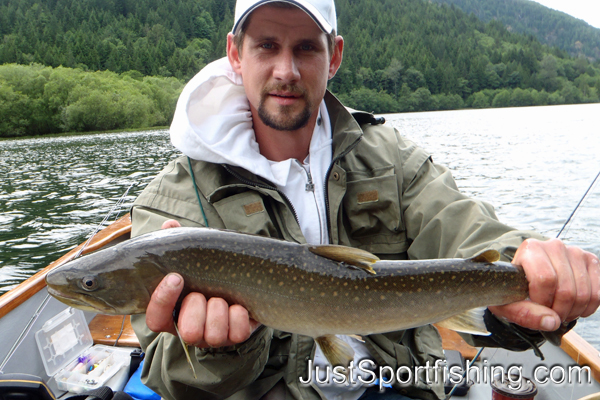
66,346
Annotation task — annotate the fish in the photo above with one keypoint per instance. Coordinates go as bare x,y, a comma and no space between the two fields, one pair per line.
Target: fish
315,290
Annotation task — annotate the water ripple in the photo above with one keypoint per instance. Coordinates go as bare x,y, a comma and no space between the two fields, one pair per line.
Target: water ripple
55,191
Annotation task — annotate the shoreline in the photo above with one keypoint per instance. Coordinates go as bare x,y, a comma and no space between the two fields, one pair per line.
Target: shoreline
67,134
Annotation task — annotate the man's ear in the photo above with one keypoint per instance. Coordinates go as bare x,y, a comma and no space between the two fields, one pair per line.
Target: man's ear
233,54
336,58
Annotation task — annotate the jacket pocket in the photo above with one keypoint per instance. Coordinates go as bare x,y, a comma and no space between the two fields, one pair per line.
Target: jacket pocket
246,212
372,209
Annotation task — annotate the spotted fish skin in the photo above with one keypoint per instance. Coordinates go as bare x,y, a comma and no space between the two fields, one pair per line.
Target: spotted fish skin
285,285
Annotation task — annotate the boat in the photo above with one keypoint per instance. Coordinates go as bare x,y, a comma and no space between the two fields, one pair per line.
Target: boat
571,371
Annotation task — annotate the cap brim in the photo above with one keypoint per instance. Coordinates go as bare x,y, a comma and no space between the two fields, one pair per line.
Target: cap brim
307,8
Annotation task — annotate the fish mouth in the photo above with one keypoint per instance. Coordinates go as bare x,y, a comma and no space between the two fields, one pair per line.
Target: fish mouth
80,302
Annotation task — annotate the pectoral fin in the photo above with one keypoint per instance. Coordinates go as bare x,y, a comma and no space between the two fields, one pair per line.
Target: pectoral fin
335,350
186,351
470,321
349,255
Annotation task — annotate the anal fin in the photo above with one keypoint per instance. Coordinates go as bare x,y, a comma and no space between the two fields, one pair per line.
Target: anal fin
335,350
470,321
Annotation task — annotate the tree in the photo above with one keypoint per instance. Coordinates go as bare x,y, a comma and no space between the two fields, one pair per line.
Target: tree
549,73
370,100
414,78
502,98
480,100
521,98
392,76
421,100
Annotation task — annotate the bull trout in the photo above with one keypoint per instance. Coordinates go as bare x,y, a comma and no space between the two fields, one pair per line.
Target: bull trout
318,291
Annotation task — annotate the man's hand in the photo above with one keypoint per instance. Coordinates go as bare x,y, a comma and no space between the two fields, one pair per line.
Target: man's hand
564,284
201,323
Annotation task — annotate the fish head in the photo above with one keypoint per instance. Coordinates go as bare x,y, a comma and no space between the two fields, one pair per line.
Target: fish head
105,283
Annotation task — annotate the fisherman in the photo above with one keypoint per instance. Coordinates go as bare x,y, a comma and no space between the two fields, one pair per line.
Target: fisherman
267,150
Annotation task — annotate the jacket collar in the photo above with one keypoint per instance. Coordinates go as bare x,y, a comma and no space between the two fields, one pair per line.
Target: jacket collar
346,133
345,129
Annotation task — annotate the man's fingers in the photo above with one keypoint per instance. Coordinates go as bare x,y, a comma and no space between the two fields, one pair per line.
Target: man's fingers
170,224
216,330
539,271
192,318
593,268
240,328
529,315
564,284
566,288
580,299
159,314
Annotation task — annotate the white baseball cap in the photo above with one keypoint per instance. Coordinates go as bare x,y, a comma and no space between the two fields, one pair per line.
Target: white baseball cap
321,11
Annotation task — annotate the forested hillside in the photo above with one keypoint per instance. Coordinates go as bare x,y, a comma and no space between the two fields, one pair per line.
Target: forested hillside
551,27
400,55
154,37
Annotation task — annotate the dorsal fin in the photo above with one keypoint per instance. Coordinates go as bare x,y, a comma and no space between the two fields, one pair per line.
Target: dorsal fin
349,255
488,256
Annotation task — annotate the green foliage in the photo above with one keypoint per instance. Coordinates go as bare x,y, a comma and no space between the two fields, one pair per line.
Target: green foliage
449,102
36,100
154,37
480,100
370,100
551,27
502,98
437,54
399,55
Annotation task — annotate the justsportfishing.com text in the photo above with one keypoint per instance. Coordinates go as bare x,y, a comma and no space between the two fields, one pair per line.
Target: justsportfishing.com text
368,373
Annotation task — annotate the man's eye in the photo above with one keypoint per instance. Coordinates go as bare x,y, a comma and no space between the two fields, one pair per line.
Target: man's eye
306,47
267,46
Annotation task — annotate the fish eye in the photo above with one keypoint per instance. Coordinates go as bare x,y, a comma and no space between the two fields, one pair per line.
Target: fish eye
89,283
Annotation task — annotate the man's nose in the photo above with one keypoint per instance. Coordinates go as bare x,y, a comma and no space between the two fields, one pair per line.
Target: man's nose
286,68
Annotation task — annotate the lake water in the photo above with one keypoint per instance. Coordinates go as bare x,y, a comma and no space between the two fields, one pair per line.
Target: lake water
533,164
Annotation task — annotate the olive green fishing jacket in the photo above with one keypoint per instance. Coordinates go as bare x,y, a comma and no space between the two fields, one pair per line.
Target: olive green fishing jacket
383,194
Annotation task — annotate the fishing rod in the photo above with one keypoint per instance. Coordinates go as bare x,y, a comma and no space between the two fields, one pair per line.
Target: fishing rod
583,198
115,208
118,204
579,204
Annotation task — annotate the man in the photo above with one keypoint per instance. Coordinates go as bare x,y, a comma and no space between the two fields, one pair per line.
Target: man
269,151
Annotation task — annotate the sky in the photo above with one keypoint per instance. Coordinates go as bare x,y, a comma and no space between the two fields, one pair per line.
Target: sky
587,10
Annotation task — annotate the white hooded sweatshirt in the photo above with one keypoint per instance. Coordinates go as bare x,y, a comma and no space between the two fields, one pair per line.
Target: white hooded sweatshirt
213,123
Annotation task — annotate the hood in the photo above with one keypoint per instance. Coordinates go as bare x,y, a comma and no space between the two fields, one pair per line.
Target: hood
213,123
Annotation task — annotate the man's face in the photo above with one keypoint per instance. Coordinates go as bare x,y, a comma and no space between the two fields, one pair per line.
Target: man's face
285,65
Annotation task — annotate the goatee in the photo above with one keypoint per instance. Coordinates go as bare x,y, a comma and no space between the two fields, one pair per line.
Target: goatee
284,119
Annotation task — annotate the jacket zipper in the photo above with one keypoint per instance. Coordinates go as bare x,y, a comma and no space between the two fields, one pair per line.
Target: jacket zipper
287,200
310,187
263,186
